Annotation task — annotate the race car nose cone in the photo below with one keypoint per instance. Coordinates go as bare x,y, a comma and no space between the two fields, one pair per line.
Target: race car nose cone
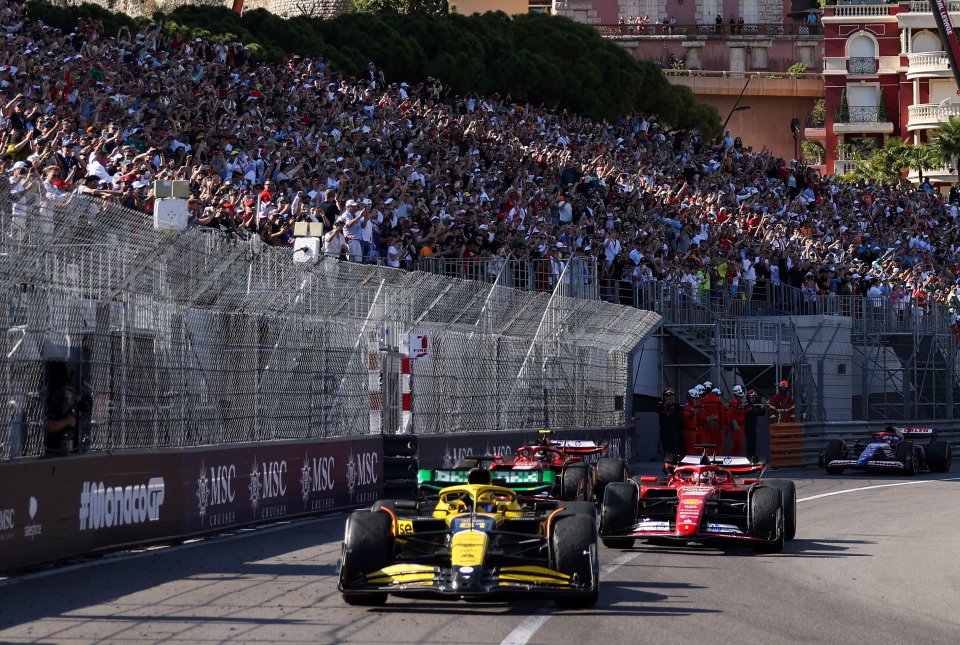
465,579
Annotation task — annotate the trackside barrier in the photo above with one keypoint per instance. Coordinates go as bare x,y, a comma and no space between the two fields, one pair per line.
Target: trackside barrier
73,506
786,445
816,435
68,507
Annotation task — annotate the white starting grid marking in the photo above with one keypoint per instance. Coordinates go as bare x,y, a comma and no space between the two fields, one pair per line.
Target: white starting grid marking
523,632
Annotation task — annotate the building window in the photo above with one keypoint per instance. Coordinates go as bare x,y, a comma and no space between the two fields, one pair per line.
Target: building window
758,57
806,53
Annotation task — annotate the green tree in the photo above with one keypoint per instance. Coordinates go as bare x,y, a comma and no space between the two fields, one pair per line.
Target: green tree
886,165
946,140
423,7
844,108
818,117
924,157
881,107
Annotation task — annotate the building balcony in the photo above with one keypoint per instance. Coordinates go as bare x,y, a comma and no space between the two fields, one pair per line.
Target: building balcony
863,65
930,115
923,6
815,133
709,31
943,175
844,166
863,119
929,65
857,12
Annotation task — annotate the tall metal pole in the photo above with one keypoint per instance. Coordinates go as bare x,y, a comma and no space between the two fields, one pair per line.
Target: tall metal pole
734,108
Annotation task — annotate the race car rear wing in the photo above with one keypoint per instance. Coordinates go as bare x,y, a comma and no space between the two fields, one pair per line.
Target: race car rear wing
917,432
736,465
579,446
527,482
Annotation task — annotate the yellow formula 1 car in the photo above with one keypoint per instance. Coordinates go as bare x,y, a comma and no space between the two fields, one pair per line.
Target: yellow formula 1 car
474,541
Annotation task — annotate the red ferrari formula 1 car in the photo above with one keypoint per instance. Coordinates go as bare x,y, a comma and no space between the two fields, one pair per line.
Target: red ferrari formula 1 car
704,499
546,470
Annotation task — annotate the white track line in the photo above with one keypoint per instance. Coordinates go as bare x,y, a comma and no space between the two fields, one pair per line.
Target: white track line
523,632
158,550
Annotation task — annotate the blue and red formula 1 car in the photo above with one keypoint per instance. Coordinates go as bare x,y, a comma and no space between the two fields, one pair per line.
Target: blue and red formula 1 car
892,450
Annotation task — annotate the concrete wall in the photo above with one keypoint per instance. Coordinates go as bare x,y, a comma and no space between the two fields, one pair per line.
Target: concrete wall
510,7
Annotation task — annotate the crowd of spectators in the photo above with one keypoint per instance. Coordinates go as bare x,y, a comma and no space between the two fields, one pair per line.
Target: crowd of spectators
397,173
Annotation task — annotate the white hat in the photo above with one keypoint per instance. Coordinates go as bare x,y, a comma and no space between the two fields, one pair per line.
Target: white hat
19,165
716,391
707,385
693,393
351,202
738,389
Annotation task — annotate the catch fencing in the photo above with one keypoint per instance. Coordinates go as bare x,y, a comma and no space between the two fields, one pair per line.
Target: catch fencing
176,339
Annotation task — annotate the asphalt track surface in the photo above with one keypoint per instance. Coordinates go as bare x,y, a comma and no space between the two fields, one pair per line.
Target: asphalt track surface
876,560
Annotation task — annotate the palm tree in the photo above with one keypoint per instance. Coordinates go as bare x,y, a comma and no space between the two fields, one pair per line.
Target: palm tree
886,164
947,141
924,157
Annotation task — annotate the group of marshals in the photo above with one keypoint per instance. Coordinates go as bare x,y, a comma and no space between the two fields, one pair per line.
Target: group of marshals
707,419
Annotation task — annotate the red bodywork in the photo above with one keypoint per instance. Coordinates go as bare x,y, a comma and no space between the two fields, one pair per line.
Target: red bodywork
550,456
702,499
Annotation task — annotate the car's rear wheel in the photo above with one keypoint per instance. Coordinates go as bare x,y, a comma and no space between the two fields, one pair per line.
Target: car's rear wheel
618,513
789,491
575,483
610,470
905,456
579,508
367,546
832,451
766,519
573,541
939,456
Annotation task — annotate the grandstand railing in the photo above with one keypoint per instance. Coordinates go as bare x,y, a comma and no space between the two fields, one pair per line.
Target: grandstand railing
711,30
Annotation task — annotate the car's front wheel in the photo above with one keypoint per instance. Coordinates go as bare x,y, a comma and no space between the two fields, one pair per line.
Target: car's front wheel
618,513
766,519
367,547
574,544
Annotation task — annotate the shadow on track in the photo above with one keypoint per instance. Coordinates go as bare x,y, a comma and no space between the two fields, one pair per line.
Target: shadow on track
625,598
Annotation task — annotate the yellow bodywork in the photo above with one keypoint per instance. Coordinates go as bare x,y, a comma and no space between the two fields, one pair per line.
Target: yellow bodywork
467,548
495,501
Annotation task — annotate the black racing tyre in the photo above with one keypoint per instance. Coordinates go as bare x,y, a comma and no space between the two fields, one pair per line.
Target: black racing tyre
939,456
766,518
831,451
619,512
573,542
579,508
906,457
609,470
789,491
575,483
367,546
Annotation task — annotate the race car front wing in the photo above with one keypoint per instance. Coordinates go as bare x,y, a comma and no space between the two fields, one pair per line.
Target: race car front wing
466,581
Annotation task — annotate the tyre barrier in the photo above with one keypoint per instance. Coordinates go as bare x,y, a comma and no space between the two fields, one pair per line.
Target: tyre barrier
786,445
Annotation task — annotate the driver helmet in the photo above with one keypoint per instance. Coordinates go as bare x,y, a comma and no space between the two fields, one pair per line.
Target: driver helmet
542,454
738,390
706,477
890,438
487,503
